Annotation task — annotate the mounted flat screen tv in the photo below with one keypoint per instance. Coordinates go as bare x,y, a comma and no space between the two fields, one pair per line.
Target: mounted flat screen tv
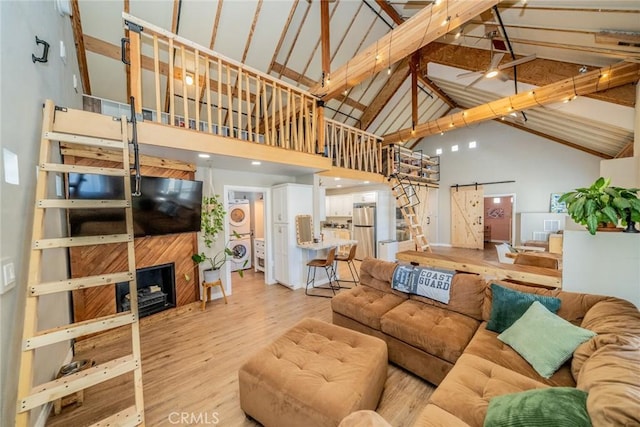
166,206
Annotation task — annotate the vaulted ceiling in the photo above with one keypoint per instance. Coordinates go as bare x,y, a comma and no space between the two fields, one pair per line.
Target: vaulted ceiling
283,38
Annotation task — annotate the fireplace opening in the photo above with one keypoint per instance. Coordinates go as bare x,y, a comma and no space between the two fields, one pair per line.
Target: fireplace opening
156,290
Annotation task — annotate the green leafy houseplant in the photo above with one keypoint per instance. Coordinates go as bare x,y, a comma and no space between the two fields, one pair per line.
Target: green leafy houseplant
601,203
212,223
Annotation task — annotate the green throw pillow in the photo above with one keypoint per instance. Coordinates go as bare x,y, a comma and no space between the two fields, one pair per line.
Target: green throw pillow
508,305
545,407
543,339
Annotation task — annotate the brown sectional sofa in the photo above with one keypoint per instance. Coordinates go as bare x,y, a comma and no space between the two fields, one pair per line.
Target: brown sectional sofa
449,346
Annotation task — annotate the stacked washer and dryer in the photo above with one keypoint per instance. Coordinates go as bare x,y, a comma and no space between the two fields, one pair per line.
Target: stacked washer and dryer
240,223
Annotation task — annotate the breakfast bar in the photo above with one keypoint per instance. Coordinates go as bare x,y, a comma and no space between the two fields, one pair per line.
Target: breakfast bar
319,250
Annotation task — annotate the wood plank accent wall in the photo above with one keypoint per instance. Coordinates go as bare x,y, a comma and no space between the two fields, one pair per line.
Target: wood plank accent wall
150,251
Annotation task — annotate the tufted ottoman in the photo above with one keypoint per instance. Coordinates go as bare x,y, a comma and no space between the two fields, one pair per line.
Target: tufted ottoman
314,375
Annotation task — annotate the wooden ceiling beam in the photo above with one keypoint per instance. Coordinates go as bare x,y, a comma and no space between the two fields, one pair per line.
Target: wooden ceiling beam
424,27
395,16
583,84
413,66
627,151
81,53
382,98
539,72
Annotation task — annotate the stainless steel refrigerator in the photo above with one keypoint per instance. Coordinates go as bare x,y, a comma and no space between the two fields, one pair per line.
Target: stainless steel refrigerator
364,229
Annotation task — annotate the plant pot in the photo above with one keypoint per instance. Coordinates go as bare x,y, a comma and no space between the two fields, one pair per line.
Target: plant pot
631,225
211,276
609,226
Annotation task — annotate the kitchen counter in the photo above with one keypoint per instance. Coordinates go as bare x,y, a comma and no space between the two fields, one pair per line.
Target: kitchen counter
327,243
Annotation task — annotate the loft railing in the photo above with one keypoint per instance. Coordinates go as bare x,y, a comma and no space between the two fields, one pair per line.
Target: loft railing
191,86
208,92
352,148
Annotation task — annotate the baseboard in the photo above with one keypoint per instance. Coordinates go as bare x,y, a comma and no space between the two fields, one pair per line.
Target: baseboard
45,410
444,245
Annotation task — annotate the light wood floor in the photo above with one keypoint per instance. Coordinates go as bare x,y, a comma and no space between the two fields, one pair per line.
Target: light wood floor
191,361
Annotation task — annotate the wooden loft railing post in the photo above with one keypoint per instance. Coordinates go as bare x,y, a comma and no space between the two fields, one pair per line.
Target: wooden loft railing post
319,125
135,67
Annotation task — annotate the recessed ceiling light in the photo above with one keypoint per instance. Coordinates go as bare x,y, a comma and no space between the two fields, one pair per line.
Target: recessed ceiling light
366,182
514,114
339,186
454,147
204,156
438,151
472,144
188,79
336,179
256,163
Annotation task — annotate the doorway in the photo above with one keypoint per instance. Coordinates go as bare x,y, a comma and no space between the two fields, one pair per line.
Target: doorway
254,204
499,218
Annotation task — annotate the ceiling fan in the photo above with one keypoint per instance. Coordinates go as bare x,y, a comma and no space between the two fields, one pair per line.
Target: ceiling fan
494,67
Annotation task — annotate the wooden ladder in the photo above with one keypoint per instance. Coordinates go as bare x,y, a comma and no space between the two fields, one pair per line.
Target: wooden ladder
31,396
406,200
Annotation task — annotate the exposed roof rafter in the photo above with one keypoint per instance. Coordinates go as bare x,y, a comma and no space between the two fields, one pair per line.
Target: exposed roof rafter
593,81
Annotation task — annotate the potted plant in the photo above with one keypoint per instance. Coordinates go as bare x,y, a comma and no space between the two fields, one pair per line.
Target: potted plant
212,223
600,204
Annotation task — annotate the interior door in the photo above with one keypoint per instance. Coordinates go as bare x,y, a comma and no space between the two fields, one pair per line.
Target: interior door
467,211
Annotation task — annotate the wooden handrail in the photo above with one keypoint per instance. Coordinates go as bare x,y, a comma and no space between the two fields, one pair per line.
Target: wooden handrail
352,148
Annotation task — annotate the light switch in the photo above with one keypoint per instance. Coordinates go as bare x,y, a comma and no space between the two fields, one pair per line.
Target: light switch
11,172
8,275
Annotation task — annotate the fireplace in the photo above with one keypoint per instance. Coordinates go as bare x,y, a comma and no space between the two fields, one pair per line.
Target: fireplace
156,290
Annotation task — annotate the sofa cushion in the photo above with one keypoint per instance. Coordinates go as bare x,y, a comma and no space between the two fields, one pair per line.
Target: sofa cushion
486,344
439,332
508,305
573,307
365,305
608,318
472,383
549,407
611,376
377,274
466,295
544,339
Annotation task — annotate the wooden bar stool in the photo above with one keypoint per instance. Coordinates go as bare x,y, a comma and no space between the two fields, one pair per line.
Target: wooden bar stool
352,267
206,292
327,264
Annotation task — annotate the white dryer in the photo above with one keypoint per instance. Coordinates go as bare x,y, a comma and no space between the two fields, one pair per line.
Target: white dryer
239,216
241,249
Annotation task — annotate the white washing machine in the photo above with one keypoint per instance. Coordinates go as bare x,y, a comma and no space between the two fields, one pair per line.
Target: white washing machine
241,249
239,216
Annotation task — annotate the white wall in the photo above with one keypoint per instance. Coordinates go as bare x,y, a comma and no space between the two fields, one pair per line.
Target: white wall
538,166
24,88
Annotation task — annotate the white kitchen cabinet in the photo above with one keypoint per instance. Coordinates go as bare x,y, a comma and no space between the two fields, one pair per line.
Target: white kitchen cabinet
339,205
368,197
289,200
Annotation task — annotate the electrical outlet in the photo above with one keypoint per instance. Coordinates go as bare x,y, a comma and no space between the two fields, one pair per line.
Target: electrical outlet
8,275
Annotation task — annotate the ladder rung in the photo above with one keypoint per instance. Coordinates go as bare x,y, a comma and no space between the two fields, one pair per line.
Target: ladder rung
85,140
69,384
79,283
58,167
75,204
424,247
69,242
79,329
127,418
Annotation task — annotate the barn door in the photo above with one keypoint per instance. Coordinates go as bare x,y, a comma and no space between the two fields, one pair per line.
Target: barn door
467,210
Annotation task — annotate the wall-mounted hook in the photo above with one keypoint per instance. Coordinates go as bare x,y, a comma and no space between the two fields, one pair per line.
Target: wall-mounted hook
45,53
